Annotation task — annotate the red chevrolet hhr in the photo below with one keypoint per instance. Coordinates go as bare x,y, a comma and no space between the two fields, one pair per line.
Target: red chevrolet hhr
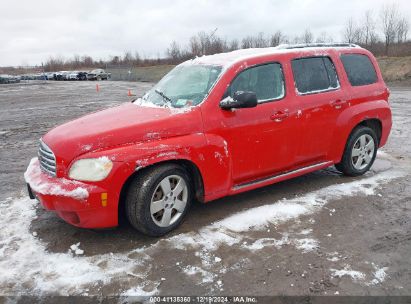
215,126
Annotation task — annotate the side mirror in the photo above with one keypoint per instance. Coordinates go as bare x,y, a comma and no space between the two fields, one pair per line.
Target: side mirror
240,100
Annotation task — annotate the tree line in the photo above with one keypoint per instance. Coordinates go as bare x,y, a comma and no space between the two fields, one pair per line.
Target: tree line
384,33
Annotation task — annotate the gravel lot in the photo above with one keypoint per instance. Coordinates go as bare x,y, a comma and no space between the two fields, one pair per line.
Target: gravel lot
320,234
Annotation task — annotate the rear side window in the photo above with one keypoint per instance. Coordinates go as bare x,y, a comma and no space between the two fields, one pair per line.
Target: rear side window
359,69
314,74
266,81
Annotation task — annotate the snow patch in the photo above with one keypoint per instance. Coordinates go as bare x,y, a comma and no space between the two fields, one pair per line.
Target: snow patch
259,217
76,249
267,242
379,275
347,271
146,104
206,276
33,174
26,262
307,245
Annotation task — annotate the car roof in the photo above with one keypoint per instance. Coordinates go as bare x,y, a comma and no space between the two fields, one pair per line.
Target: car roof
228,59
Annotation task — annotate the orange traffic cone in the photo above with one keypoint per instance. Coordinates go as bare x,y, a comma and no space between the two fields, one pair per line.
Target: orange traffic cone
129,93
97,88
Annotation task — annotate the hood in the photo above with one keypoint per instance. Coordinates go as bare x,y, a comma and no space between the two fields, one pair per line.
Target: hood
125,124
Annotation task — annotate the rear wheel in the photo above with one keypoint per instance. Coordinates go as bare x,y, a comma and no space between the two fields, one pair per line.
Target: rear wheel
359,153
158,200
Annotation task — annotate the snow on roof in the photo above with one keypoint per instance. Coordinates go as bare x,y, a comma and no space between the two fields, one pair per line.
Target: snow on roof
229,58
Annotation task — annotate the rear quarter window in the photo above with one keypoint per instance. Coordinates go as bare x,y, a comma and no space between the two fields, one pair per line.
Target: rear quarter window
314,75
359,69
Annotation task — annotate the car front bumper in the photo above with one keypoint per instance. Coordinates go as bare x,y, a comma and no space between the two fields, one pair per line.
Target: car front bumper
79,204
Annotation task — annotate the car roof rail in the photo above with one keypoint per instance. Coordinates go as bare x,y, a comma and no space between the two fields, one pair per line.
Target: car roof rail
309,45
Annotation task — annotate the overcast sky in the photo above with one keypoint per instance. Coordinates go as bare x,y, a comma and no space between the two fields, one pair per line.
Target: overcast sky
31,31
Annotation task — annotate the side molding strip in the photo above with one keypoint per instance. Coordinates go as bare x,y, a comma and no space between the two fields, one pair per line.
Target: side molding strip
275,177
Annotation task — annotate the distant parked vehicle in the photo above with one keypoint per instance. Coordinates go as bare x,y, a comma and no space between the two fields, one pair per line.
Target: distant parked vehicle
50,76
58,76
82,76
64,75
27,77
72,75
14,79
4,79
41,76
98,74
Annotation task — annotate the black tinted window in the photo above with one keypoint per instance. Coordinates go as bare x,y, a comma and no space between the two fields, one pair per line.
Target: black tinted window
359,69
314,74
266,81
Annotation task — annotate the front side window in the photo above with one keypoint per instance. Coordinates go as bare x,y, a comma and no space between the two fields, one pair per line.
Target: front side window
266,81
185,85
359,69
314,74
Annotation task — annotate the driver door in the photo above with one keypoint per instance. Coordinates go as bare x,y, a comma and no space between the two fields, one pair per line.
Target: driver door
262,140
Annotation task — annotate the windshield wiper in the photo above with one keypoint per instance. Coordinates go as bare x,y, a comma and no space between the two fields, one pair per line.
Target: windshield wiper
165,97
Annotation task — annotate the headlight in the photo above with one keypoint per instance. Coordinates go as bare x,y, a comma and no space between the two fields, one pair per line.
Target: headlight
91,169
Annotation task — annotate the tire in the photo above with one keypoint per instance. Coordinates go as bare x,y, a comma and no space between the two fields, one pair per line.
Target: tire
359,153
158,219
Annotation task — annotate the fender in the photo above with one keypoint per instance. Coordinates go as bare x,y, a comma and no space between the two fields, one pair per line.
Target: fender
354,115
208,153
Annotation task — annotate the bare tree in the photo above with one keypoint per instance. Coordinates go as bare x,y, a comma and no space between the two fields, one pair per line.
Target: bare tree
127,58
349,31
277,38
307,36
389,22
234,45
76,61
247,42
115,60
260,41
402,30
174,51
323,38
87,61
195,47
369,34
137,58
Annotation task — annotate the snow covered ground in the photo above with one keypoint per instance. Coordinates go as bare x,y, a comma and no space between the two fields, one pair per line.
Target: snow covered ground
27,263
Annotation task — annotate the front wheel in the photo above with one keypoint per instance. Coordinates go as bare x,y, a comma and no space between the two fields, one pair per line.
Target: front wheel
359,153
158,200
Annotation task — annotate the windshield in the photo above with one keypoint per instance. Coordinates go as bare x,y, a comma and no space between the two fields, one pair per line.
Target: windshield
184,86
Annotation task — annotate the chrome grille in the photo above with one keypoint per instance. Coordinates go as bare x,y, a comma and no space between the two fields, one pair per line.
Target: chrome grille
47,159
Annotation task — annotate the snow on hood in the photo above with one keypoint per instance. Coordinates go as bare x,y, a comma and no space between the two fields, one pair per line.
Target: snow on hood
124,124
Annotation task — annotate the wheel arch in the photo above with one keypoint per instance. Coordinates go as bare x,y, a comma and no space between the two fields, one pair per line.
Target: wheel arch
192,170
373,123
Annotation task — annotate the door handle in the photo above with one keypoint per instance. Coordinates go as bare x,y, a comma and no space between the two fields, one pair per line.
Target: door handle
338,103
279,116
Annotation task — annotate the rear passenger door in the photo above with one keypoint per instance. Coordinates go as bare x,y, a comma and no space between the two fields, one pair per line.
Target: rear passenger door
321,100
